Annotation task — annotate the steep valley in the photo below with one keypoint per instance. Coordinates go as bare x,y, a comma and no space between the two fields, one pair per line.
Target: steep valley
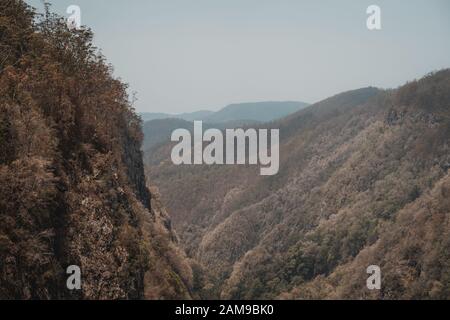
363,181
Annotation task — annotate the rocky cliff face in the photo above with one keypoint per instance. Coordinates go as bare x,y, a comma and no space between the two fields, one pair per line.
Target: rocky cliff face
72,186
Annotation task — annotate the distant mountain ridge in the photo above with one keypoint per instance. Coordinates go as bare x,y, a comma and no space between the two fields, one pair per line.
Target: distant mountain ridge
253,111
158,127
256,111
188,116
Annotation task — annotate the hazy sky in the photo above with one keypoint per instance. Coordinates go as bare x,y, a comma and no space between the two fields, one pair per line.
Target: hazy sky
186,55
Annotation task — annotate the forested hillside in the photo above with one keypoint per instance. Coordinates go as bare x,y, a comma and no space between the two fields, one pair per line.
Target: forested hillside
72,185
363,181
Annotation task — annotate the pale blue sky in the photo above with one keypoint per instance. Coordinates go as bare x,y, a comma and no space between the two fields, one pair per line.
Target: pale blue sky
186,55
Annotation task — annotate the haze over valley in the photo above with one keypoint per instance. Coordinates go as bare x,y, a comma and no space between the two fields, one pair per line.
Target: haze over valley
161,150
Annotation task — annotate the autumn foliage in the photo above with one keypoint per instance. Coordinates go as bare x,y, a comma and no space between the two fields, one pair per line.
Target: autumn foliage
364,180
72,185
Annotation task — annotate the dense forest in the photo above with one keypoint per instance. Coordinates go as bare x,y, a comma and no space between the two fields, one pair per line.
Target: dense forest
364,180
72,184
